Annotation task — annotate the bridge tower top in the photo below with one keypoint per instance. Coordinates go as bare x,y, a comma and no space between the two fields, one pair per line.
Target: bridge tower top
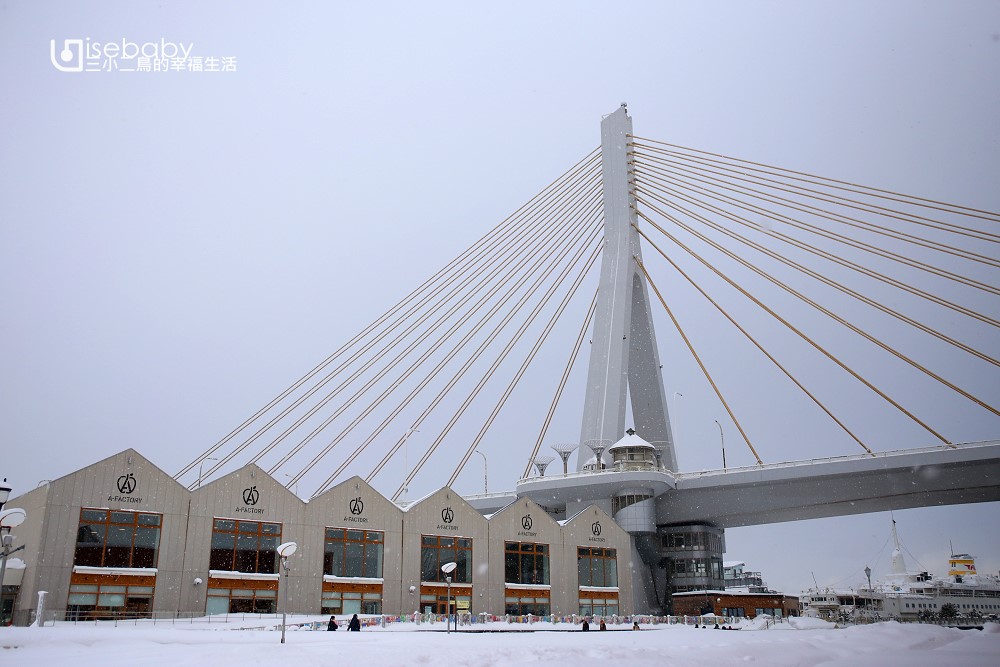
623,352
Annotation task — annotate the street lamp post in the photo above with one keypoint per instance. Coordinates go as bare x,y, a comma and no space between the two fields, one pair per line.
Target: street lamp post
10,518
564,451
448,568
284,551
868,573
200,465
485,472
722,438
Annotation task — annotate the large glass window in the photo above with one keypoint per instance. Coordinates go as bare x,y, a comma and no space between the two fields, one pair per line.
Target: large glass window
353,553
597,567
522,605
526,563
241,601
436,550
692,541
696,567
438,604
621,502
117,538
105,601
245,546
351,602
606,606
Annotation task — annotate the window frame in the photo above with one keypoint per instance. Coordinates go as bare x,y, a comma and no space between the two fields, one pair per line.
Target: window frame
598,560
537,553
435,545
371,541
111,555
238,531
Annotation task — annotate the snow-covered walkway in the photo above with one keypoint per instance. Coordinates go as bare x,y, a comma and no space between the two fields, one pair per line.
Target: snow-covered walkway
411,645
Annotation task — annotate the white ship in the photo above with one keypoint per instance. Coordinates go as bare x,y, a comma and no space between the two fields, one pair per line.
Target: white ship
907,596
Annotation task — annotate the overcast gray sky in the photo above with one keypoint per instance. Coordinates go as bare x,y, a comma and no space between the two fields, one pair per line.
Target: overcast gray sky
177,247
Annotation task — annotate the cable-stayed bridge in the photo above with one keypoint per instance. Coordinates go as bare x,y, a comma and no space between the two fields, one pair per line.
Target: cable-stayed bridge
860,300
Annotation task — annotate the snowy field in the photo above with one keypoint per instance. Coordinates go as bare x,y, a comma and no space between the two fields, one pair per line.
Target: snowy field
220,645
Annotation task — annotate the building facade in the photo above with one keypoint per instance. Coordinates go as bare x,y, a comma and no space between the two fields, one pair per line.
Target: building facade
743,605
121,537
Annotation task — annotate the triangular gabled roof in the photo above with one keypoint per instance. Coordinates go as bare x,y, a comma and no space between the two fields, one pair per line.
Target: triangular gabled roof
521,504
450,506
589,514
451,496
127,454
353,488
255,476
125,480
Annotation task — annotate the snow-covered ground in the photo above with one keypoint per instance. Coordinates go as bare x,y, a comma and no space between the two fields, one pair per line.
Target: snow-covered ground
218,645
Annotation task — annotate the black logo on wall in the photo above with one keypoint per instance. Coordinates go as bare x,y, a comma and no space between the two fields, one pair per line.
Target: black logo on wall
251,495
596,528
526,522
447,515
357,507
126,483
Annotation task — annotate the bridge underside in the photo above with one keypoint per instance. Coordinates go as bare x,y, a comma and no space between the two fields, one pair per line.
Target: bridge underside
791,492
968,473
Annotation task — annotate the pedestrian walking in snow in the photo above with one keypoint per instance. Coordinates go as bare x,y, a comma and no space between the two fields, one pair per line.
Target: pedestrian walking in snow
355,624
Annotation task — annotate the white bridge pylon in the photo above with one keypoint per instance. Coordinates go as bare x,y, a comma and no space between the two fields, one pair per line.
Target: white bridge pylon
623,352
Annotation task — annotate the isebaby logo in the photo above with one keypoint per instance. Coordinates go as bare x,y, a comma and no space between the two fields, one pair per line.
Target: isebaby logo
124,55
70,57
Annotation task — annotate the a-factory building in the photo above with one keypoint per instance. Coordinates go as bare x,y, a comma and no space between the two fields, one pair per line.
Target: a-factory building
123,537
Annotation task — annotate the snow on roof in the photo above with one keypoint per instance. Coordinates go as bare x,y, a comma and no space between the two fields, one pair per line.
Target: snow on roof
502,508
411,503
632,440
570,518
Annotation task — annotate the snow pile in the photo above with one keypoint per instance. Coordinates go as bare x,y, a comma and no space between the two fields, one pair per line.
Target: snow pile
804,623
764,622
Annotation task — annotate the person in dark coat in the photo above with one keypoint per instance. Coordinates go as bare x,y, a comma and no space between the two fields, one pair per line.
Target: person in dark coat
586,625
603,626
332,625
355,624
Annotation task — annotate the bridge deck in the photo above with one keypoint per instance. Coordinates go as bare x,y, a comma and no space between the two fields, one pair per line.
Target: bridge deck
772,493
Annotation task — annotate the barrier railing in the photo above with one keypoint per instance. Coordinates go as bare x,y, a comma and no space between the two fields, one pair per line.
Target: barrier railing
271,621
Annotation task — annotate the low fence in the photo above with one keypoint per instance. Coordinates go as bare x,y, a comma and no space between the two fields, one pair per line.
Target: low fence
269,621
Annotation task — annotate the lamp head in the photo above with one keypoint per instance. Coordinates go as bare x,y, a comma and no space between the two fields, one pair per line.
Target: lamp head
287,549
12,518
